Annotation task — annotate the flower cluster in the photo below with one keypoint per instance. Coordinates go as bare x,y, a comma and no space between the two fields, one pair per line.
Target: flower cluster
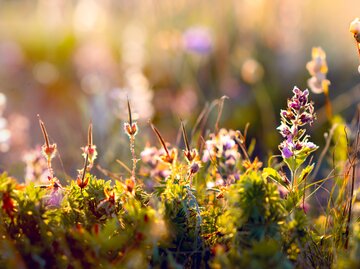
296,147
156,168
318,69
222,149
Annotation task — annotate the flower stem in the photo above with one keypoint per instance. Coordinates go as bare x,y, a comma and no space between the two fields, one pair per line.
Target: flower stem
134,160
328,103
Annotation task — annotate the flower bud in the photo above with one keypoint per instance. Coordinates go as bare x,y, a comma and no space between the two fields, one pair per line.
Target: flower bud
130,129
82,184
49,151
355,27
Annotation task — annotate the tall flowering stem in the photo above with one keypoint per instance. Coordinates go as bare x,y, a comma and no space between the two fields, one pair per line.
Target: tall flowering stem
48,150
131,130
90,154
296,148
89,151
170,155
191,156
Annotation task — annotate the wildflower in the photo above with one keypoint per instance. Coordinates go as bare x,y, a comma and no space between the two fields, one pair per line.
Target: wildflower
156,168
170,155
209,151
82,183
54,183
131,129
222,150
89,151
48,150
318,69
197,40
194,167
54,199
296,147
355,29
190,154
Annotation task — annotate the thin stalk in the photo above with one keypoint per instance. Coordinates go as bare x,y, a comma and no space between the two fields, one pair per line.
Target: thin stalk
132,142
161,140
328,106
90,136
347,232
47,143
134,160
353,164
84,169
44,132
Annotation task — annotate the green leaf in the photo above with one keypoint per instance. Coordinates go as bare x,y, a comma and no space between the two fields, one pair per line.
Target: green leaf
269,172
305,173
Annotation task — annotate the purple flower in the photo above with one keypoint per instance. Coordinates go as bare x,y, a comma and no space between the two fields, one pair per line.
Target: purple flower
197,40
227,142
299,112
194,168
294,104
306,118
284,130
286,152
297,91
54,199
298,146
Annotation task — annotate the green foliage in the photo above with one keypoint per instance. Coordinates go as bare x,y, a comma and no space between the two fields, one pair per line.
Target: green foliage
225,211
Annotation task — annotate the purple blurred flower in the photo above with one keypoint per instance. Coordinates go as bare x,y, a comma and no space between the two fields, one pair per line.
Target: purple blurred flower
197,40
227,142
221,149
151,156
54,199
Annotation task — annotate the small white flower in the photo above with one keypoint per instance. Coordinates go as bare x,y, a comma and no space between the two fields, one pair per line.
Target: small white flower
355,26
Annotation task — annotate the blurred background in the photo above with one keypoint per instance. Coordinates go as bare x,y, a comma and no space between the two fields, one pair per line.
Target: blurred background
76,61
